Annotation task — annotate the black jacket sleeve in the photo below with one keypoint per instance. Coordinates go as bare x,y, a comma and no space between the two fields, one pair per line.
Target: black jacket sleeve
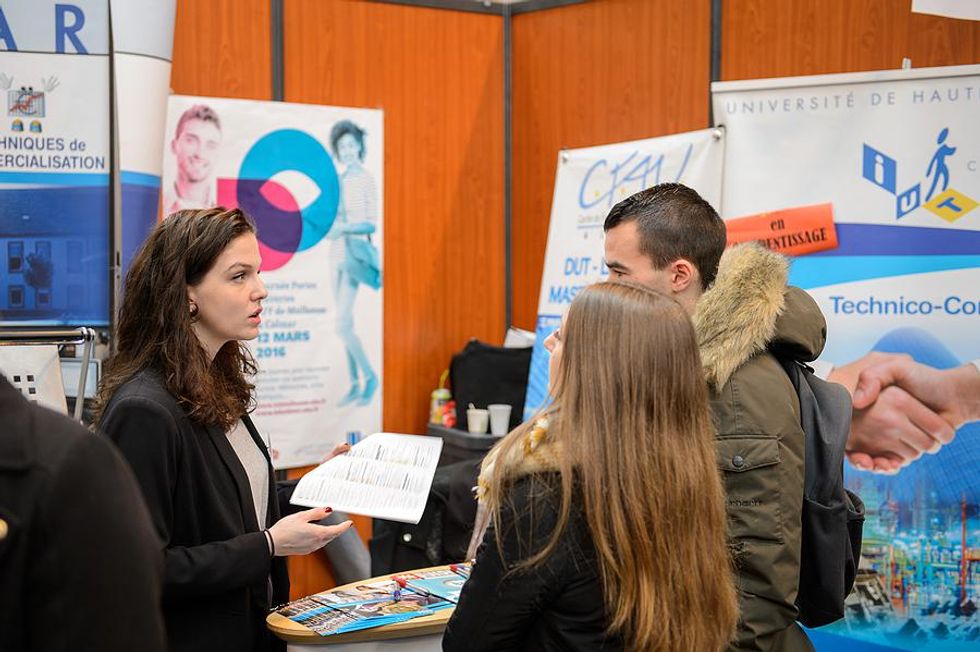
148,437
284,491
496,609
98,558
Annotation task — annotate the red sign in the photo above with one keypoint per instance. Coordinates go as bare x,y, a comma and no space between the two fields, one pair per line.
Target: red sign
790,231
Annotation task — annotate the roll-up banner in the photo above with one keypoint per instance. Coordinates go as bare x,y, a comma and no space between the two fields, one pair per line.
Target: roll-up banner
312,179
54,163
890,163
588,182
55,158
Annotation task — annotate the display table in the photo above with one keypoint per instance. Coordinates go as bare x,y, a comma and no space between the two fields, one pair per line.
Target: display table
459,445
430,643
416,635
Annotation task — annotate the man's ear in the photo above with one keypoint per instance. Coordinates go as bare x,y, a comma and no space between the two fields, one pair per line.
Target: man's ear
683,275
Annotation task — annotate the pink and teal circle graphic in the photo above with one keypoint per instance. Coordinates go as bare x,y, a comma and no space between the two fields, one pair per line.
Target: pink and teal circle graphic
283,227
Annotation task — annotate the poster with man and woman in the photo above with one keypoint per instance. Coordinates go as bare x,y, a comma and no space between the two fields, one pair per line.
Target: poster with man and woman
312,179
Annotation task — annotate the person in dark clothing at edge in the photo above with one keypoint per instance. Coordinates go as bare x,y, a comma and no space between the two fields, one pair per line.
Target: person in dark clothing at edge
80,564
606,517
175,400
670,239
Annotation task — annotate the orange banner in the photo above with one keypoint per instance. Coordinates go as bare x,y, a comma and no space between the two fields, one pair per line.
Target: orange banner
790,231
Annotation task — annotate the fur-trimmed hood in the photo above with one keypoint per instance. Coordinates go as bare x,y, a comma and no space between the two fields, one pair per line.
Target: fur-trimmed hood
749,309
536,454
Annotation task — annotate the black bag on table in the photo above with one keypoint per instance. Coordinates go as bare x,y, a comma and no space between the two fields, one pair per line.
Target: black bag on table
483,374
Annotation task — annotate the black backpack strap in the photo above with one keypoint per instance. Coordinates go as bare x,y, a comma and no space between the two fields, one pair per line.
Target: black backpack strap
832,516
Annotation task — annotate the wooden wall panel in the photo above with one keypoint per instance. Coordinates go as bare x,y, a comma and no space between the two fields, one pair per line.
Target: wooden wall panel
438,75
783,38
588,74
222,49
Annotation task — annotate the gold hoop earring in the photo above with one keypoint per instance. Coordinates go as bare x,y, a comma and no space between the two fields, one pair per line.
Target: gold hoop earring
193,310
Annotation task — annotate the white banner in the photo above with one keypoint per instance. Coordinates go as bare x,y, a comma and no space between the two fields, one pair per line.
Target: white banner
962,9
142,43
312,179
896,154
588,183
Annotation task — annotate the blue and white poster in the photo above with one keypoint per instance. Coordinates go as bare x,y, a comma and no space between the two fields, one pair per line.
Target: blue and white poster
54,163
588,183
312,179
897,154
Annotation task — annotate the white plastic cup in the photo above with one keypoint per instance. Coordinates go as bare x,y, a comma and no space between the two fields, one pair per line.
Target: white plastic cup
499,418
476,421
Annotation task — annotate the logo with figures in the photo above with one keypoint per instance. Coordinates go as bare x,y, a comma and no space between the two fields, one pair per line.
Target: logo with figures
946,203
27,102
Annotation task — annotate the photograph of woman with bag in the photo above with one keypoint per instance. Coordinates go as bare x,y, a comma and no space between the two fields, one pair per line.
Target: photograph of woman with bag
354,256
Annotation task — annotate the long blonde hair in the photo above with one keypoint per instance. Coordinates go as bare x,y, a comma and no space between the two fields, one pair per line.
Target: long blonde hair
631,422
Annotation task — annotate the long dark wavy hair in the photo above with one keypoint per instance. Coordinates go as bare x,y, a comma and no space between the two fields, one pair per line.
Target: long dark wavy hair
154,329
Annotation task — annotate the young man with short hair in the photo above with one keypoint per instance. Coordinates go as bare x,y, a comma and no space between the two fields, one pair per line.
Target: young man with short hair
670,239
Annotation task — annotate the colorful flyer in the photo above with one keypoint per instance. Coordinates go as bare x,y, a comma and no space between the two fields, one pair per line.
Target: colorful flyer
363,606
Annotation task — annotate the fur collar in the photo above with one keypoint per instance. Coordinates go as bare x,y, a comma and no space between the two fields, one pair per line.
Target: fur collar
536,454
736,317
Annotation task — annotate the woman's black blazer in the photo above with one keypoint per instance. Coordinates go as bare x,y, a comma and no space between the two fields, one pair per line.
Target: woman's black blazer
217,566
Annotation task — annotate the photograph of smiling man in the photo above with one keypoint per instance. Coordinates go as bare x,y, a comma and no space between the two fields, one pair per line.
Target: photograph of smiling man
195,149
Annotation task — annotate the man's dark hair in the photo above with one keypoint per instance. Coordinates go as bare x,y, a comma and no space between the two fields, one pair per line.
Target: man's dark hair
674,221
197,112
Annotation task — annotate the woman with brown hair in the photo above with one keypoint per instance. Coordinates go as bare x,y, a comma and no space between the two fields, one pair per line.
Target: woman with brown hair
607,517
175,400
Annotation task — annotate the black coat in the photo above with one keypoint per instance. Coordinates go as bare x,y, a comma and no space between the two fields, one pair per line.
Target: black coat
555,605
216,558
80,565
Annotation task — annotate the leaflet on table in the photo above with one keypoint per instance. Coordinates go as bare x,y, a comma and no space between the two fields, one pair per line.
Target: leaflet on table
385,475
360,607
441,583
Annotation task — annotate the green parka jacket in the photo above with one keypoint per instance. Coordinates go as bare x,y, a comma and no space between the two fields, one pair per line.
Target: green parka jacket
747,319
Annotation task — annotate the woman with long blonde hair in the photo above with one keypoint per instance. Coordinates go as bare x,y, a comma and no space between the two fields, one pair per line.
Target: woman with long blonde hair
607,515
